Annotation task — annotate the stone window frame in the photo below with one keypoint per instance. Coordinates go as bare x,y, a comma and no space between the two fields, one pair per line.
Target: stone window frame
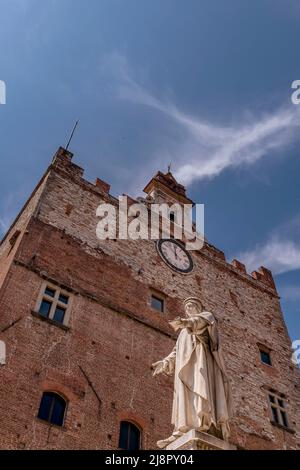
265,349
159,296
277,396
55,303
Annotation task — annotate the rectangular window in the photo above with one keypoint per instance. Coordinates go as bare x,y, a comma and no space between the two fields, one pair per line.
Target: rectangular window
157,303
45,308
54,304
50,292
59,314
63,298
278,409
265,357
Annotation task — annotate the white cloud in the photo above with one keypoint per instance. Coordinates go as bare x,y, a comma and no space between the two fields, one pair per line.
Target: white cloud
278,255
202,149
280,252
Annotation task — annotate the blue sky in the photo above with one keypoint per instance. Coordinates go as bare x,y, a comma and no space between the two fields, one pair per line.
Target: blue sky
205,84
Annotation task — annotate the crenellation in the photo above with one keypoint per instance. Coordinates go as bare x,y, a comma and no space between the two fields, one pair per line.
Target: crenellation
263,275
239,266
102,185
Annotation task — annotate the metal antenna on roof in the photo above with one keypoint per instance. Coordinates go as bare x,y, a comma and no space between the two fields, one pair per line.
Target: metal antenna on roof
72,133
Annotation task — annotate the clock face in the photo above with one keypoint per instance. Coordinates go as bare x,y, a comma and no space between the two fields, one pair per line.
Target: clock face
175,255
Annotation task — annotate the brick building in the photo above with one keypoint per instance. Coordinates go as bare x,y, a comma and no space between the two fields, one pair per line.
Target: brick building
83,320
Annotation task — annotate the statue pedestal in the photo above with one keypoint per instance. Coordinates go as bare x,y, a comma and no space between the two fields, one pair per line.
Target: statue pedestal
197,440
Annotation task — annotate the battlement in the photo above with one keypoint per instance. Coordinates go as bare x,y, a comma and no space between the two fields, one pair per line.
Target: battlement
263,274
62,161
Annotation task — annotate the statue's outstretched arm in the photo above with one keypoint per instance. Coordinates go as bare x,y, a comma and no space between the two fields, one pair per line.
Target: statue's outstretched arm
166,365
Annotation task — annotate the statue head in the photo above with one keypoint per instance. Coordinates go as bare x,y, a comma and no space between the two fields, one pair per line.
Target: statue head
193,306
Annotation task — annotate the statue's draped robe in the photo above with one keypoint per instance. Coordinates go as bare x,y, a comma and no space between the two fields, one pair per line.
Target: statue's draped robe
201,389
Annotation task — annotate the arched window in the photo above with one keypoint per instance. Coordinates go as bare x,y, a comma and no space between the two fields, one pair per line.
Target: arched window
172,216
130,436
52,408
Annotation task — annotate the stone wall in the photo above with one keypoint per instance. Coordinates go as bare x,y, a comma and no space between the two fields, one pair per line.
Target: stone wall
101,363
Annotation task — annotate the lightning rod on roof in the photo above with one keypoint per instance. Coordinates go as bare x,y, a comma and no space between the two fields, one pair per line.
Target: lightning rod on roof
72,133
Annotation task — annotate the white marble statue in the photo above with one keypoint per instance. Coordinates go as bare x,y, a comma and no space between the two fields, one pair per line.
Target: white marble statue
201,389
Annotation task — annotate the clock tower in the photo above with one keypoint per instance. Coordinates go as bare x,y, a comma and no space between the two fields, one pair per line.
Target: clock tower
163,188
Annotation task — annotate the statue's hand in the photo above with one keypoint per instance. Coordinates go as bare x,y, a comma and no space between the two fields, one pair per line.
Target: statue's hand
185,321
190,322
177,324
159,367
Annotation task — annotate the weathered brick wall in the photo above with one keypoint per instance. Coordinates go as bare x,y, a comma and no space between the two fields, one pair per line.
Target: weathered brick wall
108,346
115,335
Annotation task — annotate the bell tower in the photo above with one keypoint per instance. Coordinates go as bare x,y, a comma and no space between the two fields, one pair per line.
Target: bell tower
163,188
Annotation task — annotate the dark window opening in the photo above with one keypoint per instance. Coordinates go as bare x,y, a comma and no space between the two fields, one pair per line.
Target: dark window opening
59,314
49,292
54,305
172,216
278,410
283,418
130,436
45,308
52,408
275,414
63,298
265,357
157,303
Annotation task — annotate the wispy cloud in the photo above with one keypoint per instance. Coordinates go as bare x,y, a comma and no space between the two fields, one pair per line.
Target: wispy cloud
280,252
202,149
279,255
